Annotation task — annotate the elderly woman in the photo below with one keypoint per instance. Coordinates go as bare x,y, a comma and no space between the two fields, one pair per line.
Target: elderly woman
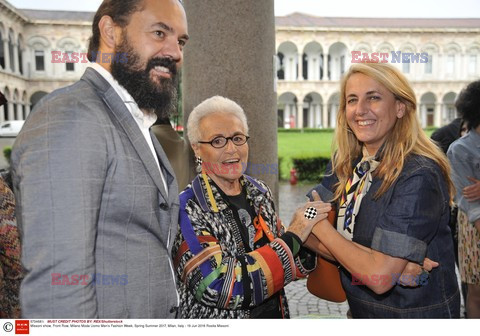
464,155
232,255
392,187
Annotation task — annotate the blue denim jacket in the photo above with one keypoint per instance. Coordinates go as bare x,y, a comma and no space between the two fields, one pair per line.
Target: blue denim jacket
464,156
408,221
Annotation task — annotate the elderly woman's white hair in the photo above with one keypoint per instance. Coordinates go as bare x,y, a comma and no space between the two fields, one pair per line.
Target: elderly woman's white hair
215,104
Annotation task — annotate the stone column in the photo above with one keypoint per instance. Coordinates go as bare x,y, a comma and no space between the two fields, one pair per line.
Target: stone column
28,108
293,116
231,53
299,115
6,53
325,67
325,116
424,115
437,119
318,118
11,111
439,67
311,116
15,59
286,116
300,66
2,113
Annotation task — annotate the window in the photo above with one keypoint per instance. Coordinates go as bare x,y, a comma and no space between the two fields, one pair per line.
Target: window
450,64
472,65
69,66
39,60
342,65
406,68
429,65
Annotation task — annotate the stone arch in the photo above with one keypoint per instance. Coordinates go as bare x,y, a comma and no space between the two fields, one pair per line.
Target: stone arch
428,103
68,42
36,97
385,47
287,110
452,47
333,106
448,107
312,58
312,110
288,58
39,41
40,46
363,47
339,60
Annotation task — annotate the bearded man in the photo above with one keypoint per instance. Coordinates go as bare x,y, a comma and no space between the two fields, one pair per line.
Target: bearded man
97,200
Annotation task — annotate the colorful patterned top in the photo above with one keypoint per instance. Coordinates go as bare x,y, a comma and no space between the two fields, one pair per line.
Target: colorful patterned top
219,277
11,271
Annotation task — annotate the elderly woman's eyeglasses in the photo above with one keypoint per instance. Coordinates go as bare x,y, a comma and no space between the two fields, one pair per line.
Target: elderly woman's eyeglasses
221,141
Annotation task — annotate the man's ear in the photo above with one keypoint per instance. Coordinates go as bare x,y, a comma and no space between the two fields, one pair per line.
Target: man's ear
108,32
401,108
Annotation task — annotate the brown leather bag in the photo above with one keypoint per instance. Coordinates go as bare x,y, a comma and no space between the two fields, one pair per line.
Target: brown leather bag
324,280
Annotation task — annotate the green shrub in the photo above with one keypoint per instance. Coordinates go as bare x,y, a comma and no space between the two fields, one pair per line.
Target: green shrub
310,168
7,153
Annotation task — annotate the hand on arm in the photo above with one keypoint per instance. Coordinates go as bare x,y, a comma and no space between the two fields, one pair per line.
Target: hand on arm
472,192
410,276
302,226
359,260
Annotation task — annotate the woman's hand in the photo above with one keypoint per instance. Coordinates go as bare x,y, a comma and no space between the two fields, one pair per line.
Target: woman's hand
302,226
472,192
412,273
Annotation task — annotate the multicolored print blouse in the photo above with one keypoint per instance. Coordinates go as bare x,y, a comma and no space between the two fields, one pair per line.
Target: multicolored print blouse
218,276
11,271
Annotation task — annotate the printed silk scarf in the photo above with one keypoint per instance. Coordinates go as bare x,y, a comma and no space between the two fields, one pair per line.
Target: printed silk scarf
355,189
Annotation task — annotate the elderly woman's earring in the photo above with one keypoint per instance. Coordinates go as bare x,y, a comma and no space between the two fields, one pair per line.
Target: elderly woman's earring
198,161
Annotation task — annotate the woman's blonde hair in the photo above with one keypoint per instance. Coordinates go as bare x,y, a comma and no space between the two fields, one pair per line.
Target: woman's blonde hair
407,136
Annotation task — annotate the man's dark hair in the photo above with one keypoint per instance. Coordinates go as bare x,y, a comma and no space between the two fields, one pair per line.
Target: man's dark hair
468,104
120,11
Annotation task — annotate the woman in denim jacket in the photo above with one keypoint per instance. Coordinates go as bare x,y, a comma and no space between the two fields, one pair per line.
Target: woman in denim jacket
392,187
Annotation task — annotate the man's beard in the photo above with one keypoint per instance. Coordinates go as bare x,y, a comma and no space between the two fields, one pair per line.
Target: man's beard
151,96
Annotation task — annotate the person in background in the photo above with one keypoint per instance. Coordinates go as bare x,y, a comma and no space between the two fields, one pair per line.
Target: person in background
444,136
392,187
447,134
97,200
464,155
232,255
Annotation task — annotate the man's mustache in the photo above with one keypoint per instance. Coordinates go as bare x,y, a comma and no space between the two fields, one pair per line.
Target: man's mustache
166,62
